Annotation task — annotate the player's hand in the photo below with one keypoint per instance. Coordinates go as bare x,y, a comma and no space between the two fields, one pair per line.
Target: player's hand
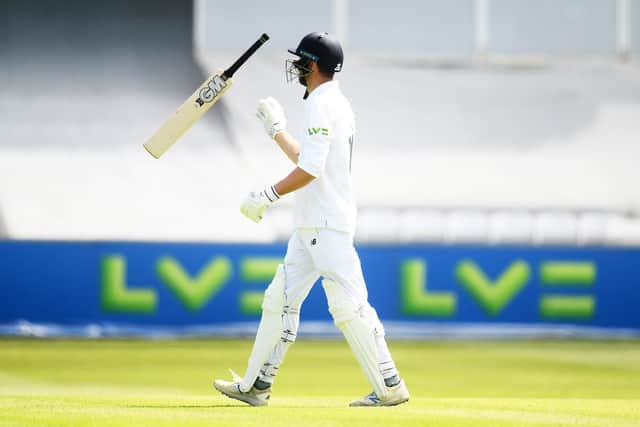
272,117
255,204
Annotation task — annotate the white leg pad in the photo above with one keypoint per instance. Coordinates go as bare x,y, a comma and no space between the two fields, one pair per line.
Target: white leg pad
270,329
290,322
386,365
359,332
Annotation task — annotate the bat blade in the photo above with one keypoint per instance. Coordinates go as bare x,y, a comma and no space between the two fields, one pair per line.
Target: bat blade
199,103
187,114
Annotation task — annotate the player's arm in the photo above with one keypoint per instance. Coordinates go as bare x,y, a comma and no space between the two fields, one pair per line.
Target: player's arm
255,204
297,179
275,124
288,145
310,162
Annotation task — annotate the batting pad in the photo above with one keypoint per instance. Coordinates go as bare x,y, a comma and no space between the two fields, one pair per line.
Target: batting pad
359,332
269,331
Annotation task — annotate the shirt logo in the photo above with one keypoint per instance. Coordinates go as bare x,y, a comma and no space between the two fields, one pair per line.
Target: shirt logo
316,131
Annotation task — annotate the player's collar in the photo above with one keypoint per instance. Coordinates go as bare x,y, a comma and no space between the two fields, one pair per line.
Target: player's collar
330,84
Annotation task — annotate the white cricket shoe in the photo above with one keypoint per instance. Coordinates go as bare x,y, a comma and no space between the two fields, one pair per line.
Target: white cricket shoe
397,394
253,397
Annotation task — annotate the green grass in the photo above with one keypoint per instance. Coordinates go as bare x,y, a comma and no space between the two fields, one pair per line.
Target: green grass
469,383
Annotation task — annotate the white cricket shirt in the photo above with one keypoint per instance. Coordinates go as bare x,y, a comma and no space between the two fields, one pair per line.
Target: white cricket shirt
326,149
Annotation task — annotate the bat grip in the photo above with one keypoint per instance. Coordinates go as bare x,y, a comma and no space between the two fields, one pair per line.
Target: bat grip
229,72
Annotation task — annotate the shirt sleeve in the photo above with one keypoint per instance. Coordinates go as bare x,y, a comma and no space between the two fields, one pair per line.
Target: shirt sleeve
316,141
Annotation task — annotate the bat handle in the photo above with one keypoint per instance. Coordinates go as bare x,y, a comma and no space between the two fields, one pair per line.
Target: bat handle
228,73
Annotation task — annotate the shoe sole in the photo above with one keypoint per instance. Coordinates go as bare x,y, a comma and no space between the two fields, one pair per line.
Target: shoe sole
399,402
241,398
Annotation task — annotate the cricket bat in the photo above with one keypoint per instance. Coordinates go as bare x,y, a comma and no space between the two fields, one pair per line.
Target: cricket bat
199,103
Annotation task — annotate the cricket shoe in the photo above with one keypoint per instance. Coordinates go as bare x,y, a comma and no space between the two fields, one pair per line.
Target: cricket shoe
395,396
253,397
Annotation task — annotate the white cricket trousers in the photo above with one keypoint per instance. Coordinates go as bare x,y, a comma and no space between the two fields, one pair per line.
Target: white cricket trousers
312,253
315,252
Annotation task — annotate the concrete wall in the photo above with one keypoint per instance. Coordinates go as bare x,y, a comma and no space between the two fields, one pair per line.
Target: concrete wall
439,28
552,26
432,28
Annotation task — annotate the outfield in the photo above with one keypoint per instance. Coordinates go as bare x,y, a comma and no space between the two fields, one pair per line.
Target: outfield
462,383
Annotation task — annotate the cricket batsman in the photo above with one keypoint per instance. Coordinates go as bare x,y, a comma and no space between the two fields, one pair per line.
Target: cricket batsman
322,244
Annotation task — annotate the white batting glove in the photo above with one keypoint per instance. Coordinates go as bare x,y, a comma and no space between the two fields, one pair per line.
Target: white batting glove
272,117
255,204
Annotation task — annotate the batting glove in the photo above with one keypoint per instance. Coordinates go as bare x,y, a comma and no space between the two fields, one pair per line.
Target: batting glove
272,117
255,204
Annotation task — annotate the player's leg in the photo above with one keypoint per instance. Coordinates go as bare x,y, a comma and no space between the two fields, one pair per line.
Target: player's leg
300,277
364,332
335,256
278,326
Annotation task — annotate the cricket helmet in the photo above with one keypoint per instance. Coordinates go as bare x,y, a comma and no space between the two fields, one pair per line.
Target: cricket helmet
322,48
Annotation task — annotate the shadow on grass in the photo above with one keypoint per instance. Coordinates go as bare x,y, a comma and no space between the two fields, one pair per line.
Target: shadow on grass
164,406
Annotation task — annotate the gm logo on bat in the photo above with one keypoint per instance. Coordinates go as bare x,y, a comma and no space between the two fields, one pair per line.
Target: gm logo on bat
213,88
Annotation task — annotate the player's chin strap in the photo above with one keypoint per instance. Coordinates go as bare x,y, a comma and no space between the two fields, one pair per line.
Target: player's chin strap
306,94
